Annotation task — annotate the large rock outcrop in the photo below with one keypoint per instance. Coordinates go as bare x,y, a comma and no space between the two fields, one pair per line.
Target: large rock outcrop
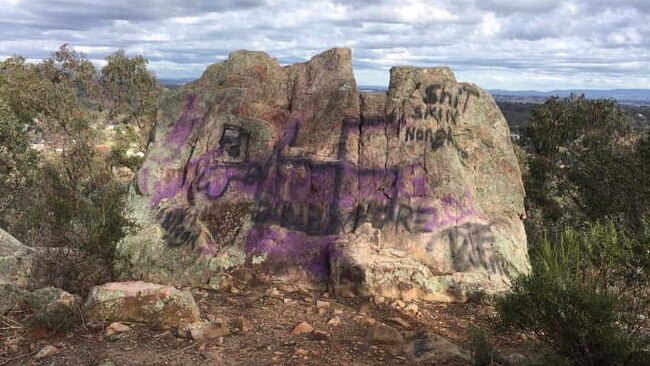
411,193
15,270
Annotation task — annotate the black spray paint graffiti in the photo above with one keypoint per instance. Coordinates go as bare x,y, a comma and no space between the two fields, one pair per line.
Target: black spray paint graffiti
319,211
234,143
179,227
320,199
444,102
470,247
436,140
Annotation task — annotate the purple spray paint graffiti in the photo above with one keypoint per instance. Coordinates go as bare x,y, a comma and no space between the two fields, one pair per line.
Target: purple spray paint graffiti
182,129
311,201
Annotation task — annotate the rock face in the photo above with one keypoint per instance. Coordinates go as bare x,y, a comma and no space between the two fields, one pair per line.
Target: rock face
15,261
15,269
54,308
160,306
411,193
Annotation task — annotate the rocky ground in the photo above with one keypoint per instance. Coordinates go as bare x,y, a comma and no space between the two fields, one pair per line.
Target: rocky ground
260,327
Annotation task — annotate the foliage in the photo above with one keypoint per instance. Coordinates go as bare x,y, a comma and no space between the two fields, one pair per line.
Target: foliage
481,348
65,197
17,160
72,69
583,164
132,90
27,99
585,296
125,151
82,216
132,94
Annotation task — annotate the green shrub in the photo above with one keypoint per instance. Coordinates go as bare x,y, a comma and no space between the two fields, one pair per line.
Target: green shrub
481,347
584,297
79,216
63,199
126,147
583,163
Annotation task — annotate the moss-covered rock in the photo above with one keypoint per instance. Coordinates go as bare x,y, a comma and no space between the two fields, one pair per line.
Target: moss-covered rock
54,308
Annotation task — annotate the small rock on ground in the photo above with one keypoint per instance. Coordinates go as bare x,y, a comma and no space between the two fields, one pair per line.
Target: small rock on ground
46,352
412,308
335,321
116,329
384,334
201,330
399,321
301,352
244,324
160,306
302,328
318,335
433,349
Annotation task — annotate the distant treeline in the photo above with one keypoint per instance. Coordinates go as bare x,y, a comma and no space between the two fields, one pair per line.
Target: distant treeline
517,114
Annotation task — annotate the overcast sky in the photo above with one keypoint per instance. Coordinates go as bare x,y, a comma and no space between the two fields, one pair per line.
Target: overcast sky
507,44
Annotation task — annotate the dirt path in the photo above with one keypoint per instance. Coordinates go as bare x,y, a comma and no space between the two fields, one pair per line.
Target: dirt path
272,313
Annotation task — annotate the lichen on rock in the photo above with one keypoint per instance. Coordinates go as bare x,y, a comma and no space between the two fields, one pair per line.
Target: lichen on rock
160,306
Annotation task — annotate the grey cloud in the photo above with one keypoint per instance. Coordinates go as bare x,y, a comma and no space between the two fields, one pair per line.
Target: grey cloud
640,5
511,6
496,41
531,28
71,14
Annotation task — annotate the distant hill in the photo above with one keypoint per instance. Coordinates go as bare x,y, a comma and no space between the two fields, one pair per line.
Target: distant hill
173,83
621,95
371,88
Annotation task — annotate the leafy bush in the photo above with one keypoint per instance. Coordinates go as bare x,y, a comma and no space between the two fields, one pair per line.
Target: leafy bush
583,163
80,218
126,150
131,89
481,348
585,296
64,198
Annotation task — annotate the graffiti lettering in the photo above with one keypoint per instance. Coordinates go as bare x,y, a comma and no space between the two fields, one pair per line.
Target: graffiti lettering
470,247
444,102
314,197
216,178
318,212
436,140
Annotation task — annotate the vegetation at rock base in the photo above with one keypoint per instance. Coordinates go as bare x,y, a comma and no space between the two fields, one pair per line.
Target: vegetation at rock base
58,189
481,348
586,297
586,175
